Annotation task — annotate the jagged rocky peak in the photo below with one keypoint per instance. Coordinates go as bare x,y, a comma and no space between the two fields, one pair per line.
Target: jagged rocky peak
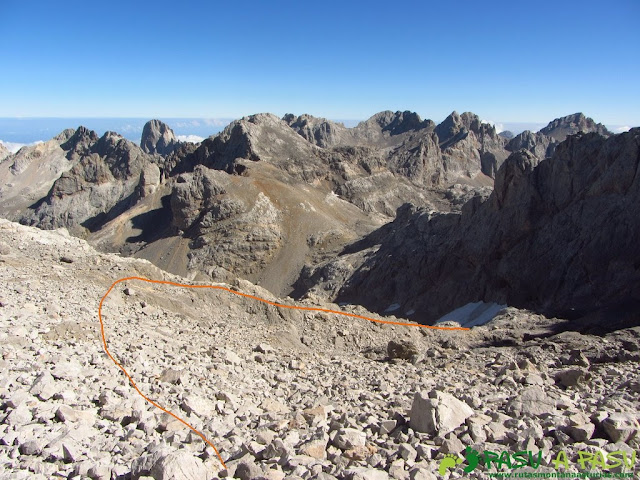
450,127
78,141
157,137
456,126
81,134
399,122
114,145
472,122
263,119
64,135
541,240
562,127
320,131
306,120
541,145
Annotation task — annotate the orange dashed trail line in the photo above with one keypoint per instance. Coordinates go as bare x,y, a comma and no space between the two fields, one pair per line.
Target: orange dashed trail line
217,287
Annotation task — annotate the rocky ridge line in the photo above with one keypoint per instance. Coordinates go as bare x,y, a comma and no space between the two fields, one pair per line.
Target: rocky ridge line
544,239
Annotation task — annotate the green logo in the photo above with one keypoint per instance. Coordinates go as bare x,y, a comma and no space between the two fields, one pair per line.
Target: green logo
505,463
471,455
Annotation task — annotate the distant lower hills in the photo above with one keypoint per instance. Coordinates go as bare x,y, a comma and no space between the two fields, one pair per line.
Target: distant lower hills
396,210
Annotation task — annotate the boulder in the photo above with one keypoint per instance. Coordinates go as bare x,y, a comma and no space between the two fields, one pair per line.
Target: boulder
621,427
437,412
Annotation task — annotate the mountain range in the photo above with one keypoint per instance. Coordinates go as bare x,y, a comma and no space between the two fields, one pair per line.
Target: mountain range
396,211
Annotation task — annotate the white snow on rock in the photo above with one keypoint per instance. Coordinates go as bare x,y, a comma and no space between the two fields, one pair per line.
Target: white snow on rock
473,314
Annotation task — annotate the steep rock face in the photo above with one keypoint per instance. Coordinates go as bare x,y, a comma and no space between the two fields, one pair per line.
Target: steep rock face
399,122
261,137
102,182
195,194
319,131
157,137
375,177
262,228
557,235
460,147
28,175
264,196
312,149
541,145
451,128
230,234
560,128
469,146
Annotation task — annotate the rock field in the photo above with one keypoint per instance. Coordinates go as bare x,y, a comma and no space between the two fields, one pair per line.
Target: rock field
280,393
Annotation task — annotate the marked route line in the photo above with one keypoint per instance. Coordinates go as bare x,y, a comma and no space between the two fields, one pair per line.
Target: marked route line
246,295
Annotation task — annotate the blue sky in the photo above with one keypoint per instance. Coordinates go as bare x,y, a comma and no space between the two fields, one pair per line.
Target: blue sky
506,61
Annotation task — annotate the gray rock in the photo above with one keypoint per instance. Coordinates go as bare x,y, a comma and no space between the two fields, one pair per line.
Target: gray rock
171,375
143,465
347,438
99,471
621,427
31,447
387,426
535,207
198,405
539,144
71,452
19,415
560,128
248,470
452,445
44,386
4,248
437,412
572,377
403,349
422,474
361,473
157,137
407,452
67,414
533,401
179,465
581,432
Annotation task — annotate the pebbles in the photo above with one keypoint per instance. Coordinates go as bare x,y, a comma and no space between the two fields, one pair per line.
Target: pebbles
362,408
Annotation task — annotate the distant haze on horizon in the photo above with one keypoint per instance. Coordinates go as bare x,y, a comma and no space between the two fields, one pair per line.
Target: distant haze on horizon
18,132
506,61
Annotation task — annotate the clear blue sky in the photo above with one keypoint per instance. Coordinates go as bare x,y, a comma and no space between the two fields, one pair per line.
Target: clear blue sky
506,61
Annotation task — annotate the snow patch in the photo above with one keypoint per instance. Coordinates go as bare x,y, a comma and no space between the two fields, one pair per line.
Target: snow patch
473,314
392,308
